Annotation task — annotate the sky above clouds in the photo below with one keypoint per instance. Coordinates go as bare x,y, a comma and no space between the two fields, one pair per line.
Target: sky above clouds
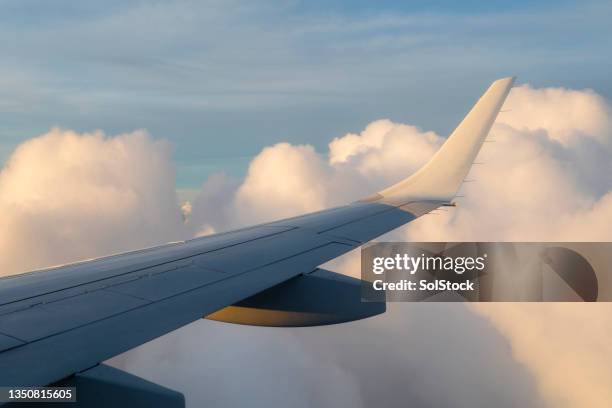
222,79
275,109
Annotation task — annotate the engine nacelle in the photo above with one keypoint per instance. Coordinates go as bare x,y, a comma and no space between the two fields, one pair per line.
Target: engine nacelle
314,299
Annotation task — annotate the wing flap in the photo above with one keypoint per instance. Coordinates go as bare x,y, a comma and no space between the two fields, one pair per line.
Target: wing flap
168,284
47,319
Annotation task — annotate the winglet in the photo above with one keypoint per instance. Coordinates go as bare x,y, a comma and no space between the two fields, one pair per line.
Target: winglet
441,177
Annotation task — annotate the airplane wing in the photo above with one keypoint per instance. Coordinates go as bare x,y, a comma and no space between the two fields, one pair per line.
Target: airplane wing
59,324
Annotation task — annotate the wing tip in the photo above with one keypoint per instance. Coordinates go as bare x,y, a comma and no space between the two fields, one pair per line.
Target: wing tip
509,80
442,176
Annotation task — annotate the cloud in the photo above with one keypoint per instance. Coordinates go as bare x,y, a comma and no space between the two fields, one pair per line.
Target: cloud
65,196
566,346
564,114
383,144
284,180
220,365
421,355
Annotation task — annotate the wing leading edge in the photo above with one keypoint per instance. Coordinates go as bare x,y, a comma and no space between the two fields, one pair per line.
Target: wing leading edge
60,322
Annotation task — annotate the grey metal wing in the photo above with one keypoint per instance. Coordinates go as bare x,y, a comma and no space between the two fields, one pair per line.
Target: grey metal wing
58,323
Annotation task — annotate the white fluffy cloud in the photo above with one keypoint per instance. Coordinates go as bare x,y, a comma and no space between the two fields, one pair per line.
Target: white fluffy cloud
286,180
564,114
548,176
66,196
566,346
281,181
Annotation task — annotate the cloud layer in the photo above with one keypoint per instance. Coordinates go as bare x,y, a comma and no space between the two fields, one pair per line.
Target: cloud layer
547,176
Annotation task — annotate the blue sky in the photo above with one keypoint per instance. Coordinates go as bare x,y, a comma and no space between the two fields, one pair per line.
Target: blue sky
223,79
